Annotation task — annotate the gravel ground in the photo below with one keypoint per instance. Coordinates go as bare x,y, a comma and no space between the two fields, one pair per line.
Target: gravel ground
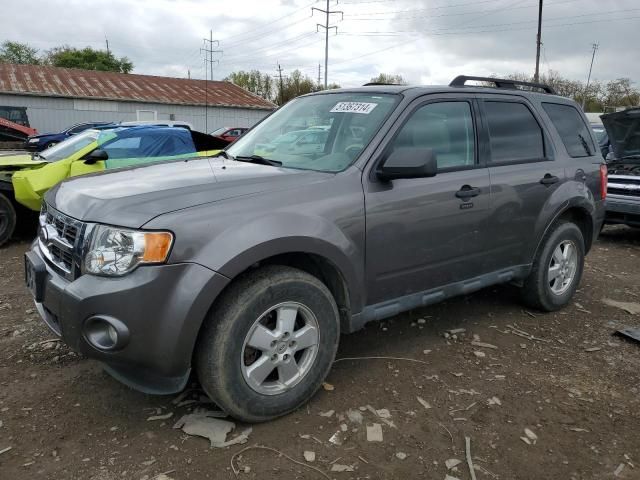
575,387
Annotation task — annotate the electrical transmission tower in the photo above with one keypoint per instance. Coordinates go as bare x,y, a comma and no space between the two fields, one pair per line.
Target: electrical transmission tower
208,50
326,27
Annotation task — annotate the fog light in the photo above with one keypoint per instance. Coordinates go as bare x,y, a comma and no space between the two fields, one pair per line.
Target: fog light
106,333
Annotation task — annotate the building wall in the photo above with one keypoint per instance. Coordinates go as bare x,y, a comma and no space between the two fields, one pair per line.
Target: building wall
51,114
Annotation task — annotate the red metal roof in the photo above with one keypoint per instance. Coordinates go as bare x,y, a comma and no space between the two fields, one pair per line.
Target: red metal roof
93,84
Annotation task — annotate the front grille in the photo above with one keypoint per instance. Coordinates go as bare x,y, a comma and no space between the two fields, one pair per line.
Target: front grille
60,242
625,185
65,230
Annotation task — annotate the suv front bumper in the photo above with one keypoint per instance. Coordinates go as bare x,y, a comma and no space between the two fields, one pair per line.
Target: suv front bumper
158,311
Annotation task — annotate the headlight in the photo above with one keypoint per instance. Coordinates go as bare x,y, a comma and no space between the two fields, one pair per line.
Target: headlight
117,251
34,140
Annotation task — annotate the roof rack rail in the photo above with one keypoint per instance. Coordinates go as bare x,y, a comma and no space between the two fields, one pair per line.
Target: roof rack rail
369,84
506,83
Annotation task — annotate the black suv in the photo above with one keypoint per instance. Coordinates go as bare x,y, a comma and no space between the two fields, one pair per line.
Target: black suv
249,265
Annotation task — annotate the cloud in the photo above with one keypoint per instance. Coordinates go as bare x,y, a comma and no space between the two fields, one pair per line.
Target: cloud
423,41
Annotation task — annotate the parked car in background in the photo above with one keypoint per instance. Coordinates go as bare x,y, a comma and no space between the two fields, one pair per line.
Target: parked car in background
247,268
601,137
298,142
25,179
37,143
229,134
623,163
158,123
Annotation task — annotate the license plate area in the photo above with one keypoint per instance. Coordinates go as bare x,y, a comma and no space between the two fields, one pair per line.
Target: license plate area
35,273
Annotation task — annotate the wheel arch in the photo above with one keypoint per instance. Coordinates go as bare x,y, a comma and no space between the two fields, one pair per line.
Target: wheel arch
319,259
577,211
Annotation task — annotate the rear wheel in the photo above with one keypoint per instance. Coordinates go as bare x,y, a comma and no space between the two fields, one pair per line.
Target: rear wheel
557,269
268,343
7,219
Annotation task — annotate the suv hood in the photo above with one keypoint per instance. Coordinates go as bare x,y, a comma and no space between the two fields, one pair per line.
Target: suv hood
133,196
623,129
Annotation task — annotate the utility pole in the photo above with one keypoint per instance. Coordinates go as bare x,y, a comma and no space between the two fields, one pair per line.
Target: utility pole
281,85
318,75
210,41
326,27
586,88
107,42
536,76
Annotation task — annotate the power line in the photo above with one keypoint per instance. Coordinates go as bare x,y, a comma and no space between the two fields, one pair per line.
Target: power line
326,27
456,14
270,23
456,31
250,59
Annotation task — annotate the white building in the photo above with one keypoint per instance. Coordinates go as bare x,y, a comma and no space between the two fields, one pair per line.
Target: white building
56,98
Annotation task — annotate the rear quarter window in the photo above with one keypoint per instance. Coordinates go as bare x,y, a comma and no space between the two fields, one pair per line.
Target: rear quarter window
572,129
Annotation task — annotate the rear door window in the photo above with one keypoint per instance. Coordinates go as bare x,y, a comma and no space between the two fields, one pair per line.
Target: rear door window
514,134
572,129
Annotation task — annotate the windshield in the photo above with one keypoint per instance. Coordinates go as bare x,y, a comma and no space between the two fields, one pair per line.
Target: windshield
69,146
219,131
291,135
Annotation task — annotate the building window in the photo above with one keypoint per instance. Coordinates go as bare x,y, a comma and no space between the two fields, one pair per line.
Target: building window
147,115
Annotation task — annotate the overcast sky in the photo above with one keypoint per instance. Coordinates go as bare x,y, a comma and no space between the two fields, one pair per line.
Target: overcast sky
426,41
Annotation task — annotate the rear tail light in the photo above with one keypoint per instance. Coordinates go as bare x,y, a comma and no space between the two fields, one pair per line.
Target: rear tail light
603,181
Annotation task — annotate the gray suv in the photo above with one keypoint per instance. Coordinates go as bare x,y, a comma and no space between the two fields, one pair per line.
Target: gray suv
246,268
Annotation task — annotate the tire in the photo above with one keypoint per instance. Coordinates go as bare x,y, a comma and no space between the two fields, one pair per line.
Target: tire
538,290
224,358
8,219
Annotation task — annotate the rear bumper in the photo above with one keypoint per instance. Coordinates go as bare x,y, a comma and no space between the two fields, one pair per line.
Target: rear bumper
158,310
624,210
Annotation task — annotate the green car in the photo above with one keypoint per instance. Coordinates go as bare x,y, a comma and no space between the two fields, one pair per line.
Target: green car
24,179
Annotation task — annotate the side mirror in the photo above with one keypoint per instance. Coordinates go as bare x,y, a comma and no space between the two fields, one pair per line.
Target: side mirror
610,156
96,156
408,162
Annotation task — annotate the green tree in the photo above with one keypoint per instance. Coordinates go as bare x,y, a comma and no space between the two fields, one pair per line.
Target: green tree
87,58
294,85
268,87
598,96
389,79
20,53
254,81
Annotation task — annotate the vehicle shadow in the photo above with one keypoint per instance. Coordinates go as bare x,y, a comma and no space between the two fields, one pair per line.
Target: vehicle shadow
620,234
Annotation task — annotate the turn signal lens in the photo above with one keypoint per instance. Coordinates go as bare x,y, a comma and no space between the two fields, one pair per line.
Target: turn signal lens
156,246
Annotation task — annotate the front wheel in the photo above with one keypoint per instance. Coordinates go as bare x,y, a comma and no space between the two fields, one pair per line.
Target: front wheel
7,219
557,269
268,343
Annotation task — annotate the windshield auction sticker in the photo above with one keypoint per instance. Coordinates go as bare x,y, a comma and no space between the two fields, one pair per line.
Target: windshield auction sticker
354,107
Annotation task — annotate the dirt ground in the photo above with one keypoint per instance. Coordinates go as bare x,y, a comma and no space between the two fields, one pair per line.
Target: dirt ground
574,386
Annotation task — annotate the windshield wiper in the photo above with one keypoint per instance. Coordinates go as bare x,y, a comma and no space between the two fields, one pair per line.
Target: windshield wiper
224,154
585,144
258,159
634,156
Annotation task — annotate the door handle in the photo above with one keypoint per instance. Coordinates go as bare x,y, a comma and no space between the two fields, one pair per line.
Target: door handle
467,191
549,179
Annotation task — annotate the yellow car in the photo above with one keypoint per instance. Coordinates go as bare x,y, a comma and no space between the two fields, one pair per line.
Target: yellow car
24,179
